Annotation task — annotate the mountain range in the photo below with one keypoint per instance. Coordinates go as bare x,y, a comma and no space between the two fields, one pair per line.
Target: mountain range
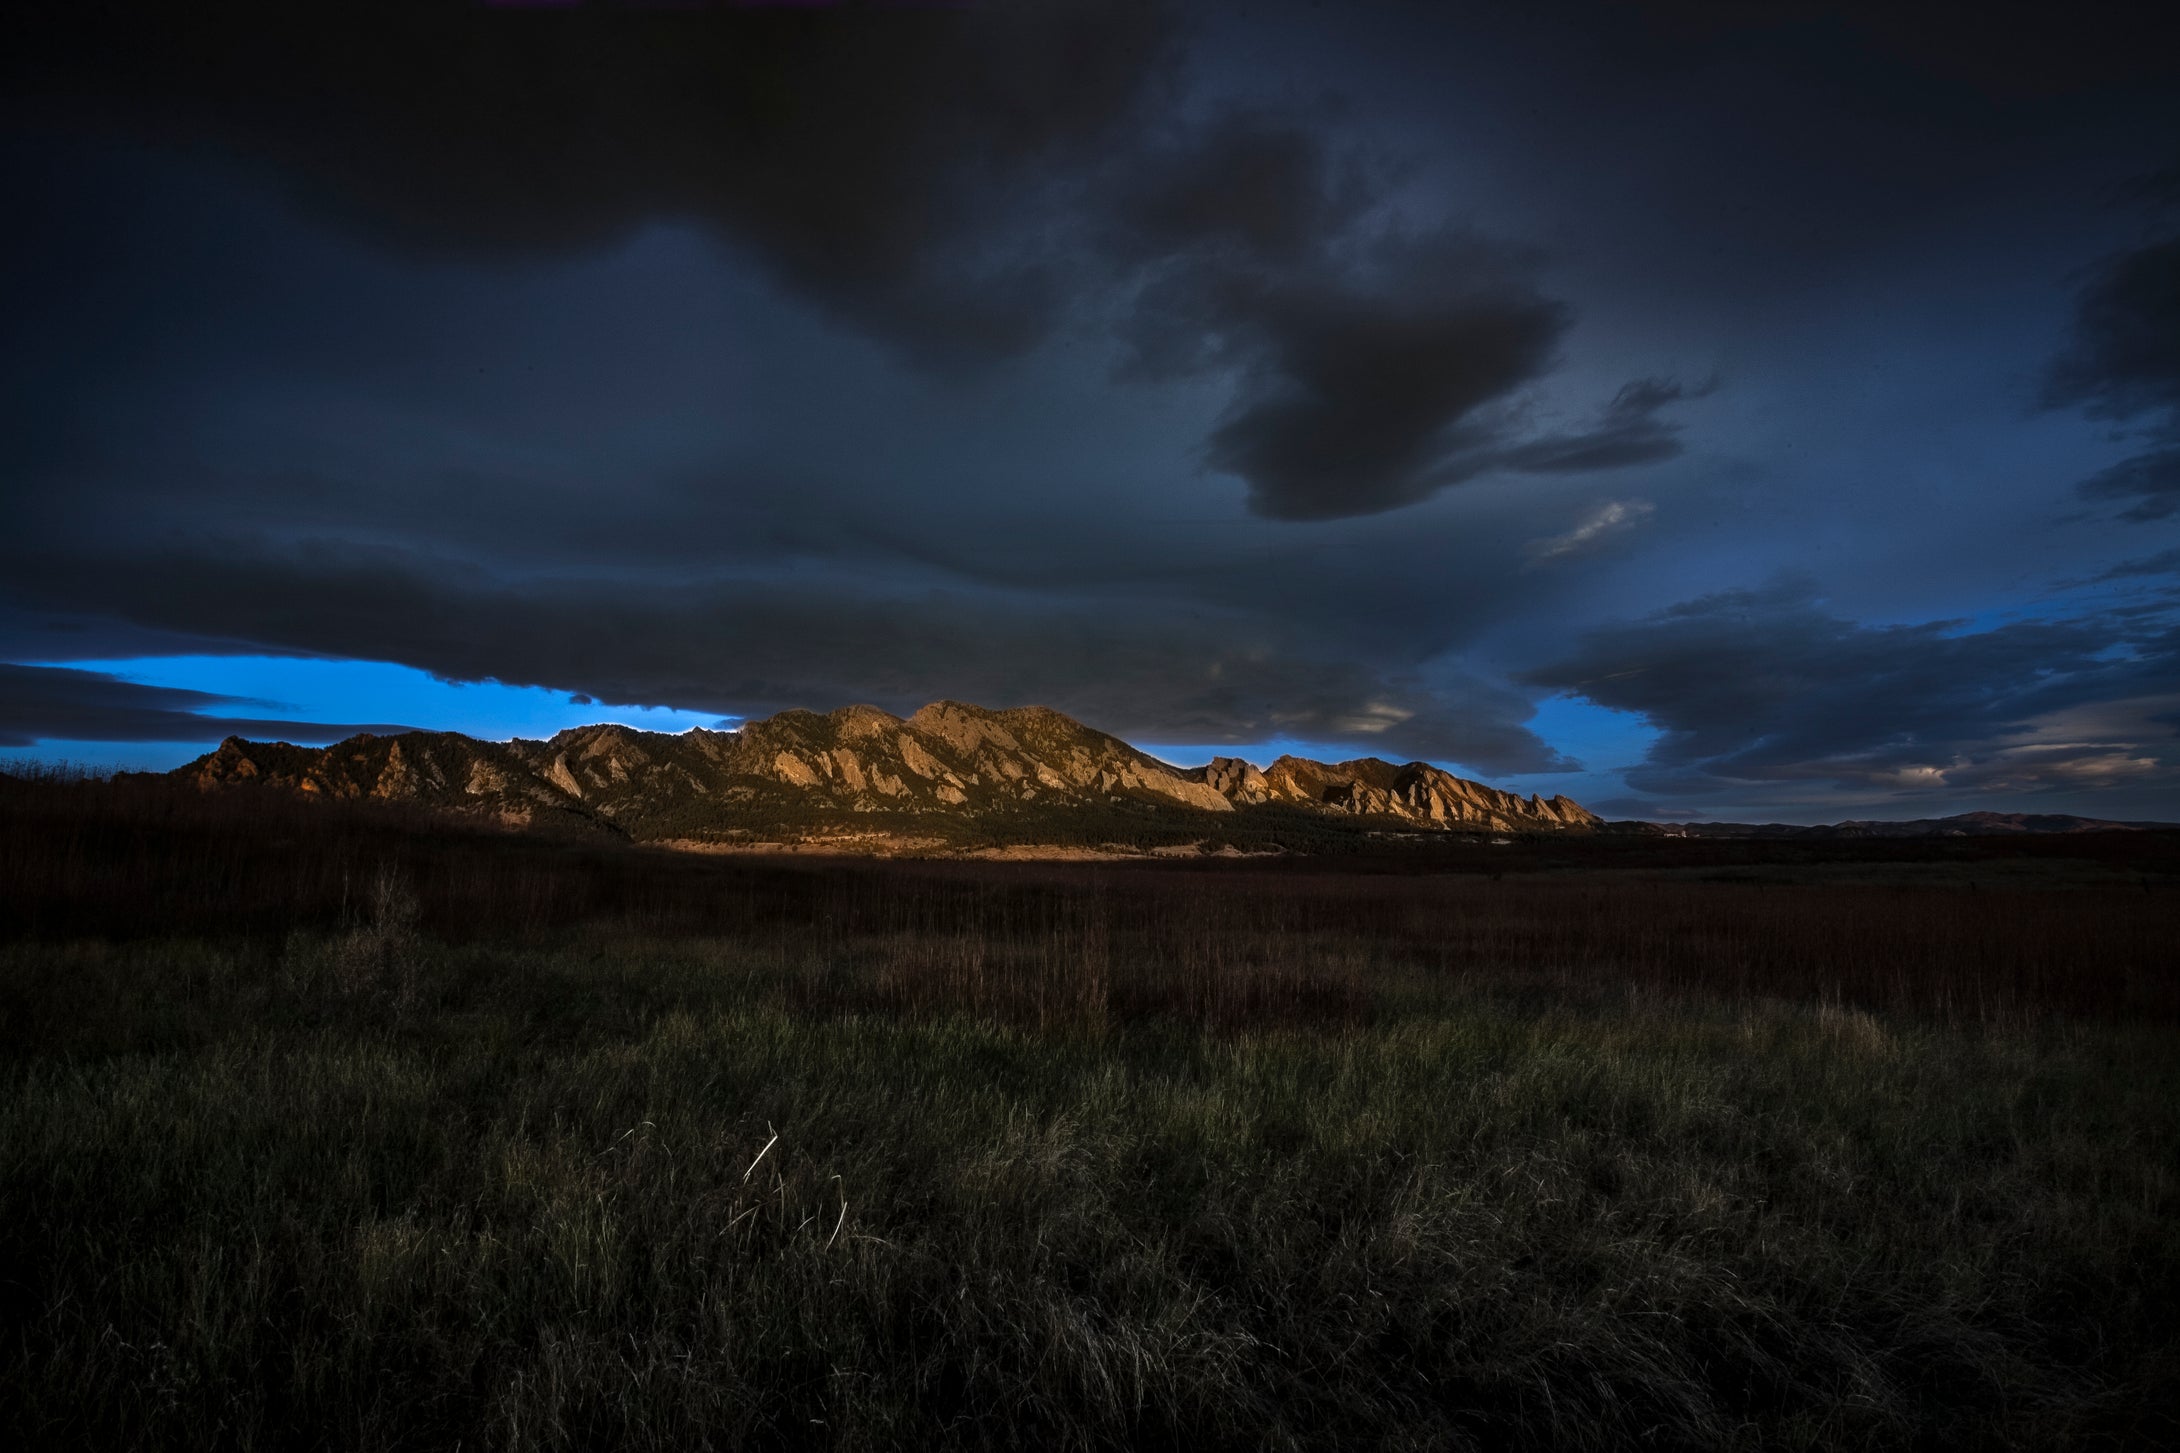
864,778
1965,824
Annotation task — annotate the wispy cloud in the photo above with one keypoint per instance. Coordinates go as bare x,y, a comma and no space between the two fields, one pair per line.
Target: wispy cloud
1613,517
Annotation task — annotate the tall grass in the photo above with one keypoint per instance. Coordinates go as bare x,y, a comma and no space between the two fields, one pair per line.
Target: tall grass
1970,930
419,1139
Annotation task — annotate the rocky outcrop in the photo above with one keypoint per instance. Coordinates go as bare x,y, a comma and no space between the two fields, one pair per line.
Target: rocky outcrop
800,766
1417,793
1237,781
434,769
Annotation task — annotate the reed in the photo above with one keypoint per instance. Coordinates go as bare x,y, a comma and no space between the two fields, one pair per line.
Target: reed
326,1125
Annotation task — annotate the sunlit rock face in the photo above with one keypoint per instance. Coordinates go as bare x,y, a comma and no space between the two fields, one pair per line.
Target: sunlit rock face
1417,793
1235,780
781,775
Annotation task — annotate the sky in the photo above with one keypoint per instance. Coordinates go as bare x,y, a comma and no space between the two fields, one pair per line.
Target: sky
1707,411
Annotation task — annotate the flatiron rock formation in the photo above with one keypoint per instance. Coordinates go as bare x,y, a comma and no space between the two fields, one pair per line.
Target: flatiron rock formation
800,774
1417,793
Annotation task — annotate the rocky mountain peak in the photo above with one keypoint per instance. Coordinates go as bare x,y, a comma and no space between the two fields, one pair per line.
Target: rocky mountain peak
1236,780
858,763
860,723
964,728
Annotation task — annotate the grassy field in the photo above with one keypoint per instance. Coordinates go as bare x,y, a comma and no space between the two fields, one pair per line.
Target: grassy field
345,1129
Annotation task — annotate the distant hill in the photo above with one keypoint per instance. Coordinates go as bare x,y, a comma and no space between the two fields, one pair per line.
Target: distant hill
864,778
1966,824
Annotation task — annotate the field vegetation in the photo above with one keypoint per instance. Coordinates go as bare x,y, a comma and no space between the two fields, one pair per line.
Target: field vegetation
337,1126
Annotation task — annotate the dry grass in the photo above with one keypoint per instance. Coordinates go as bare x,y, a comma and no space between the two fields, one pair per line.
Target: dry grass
342,1129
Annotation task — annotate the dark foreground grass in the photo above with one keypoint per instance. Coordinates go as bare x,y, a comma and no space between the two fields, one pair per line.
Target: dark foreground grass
994,1157
646,1195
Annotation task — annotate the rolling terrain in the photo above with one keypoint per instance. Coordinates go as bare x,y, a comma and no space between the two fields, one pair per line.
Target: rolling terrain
1964,824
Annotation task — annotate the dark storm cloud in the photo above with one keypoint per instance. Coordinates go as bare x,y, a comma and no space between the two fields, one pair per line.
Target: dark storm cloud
1198,678
1762,688
1247,181
2149,483
952,181
1352,395
2122,362
544,427
2123,358
1630,433
2002,48
2164,562
57,703
33,636
1367,354
874,158
1358,400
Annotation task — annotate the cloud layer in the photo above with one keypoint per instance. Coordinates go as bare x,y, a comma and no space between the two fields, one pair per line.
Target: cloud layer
1215,373
870,158
2122,362
1368,355
749,649
55,703
1760,689
907,171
